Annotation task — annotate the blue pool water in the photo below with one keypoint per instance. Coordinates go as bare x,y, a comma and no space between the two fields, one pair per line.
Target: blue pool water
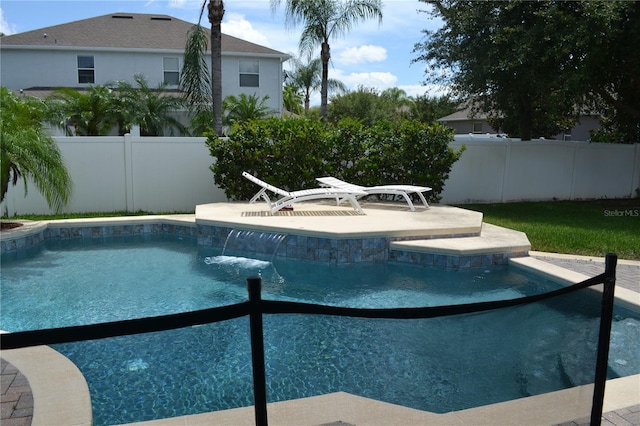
439,365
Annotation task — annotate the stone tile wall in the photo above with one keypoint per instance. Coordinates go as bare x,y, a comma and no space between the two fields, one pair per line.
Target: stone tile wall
321,249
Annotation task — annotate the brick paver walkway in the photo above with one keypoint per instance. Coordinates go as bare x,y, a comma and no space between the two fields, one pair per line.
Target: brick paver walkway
16,398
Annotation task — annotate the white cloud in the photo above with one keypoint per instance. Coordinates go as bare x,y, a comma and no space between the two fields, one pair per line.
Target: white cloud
377,80
357,55
5,27
236,25
431,90
181,4
176,3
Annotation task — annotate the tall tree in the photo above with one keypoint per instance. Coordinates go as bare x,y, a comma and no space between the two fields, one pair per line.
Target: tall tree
323,21
194,78
536,65
610,34
216,13
306,77
29,152
512,57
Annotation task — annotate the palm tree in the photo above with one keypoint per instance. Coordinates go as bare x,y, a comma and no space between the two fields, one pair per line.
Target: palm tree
398,101
244,108
149,108
90,113
307,77
29,152
323,21
194,79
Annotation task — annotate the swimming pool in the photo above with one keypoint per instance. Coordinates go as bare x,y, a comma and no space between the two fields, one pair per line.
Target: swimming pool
207,368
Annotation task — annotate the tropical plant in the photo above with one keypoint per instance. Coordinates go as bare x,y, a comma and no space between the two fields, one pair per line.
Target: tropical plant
397,99
323,21
292,99
363,104
90,112
28,152
370,105
149,108
244,108
306,76
194,78
200,124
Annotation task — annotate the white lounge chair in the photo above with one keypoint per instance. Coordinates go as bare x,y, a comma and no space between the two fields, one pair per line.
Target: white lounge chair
289,198
403,190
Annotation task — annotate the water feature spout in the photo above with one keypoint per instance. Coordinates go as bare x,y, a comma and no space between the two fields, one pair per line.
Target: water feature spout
254,242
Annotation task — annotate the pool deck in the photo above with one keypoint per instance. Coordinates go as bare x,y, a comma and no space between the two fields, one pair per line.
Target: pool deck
35,391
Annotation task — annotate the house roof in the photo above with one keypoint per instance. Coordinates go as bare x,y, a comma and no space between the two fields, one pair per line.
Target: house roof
128,31
464,113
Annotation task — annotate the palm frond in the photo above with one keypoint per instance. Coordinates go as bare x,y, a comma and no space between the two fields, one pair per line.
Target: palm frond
195,78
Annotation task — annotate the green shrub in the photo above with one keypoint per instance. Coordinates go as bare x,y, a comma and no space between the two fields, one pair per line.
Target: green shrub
291,152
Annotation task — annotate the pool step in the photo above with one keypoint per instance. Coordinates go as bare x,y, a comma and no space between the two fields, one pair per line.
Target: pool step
495,245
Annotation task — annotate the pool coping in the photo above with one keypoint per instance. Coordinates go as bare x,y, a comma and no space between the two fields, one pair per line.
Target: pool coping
341,408
442,236
61,396
625,297
620,393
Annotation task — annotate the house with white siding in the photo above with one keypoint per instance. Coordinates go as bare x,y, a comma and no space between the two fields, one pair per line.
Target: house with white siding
115,47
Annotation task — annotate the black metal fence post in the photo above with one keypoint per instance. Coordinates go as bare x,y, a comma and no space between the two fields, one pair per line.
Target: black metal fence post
254,285
606,317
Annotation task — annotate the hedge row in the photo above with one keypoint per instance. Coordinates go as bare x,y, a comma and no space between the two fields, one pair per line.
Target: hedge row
291,152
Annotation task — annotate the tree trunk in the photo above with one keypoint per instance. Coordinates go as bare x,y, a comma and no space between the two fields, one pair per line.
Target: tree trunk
306,101
216,13
526,118
325,56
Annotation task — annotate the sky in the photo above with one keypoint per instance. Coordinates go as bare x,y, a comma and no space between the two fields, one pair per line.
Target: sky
373,55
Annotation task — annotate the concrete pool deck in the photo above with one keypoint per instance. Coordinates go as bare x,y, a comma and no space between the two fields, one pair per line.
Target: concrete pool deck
58,392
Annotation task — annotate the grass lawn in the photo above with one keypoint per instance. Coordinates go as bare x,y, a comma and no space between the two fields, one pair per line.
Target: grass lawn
590,228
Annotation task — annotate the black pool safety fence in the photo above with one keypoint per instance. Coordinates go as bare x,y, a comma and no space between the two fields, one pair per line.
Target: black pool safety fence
255,308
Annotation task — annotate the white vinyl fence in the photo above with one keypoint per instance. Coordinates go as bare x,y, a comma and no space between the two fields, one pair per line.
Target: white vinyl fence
113,173
498,170
166,174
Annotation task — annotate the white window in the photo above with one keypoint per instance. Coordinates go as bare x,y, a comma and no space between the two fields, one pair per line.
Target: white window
477,127
171,68
249,74
86,69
